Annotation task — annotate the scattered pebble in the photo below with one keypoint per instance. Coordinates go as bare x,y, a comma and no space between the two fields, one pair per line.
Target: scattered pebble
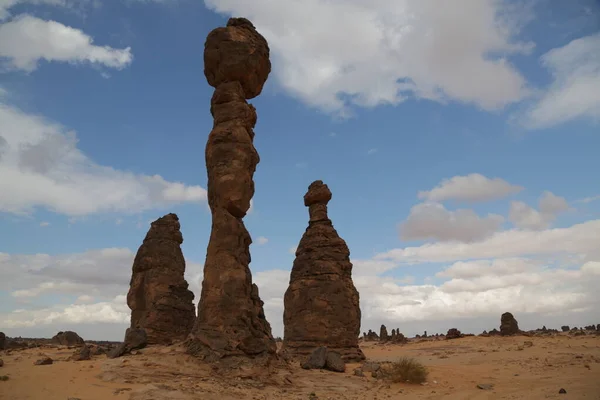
562,391
485,386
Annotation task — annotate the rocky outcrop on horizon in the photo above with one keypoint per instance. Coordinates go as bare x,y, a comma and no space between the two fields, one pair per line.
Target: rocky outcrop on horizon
508,325
67,338
321,304
158,296
231,319
383,333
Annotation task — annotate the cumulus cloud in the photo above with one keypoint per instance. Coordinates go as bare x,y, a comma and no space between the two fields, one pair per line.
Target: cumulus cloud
580,239
420,50
26,40
573,93
470,188
434,221
97,280
526,217
41,166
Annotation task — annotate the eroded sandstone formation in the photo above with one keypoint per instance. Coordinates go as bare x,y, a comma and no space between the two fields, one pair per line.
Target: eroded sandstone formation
508,325
231,320
383,333
67,338
158,297
321,302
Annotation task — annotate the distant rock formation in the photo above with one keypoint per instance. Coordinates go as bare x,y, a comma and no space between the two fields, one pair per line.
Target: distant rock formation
231,319
565,328
453,333
158,297
67,338
508,325
370,336
321,302
2,341
383,334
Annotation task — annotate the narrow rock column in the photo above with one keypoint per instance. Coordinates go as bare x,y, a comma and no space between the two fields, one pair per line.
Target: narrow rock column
158,296
231,320
321,302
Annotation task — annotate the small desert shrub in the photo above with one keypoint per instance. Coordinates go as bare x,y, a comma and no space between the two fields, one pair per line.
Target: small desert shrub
3,378
405,370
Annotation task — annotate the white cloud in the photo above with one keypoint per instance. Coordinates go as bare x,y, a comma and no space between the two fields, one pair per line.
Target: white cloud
443,52
25,40
526,217
574,92
470,188
589,199
434,221
261,240
41,166
580,239
44,224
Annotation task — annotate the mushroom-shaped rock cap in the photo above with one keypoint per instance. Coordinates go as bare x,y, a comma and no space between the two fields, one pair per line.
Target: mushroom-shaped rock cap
318,193
239,53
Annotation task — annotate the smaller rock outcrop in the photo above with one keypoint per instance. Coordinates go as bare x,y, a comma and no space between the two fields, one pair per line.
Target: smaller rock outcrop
322,358
67,338
453,333
321,303
82,354
565,328
383,334
371,336
44,361
135,339
508,325
158,297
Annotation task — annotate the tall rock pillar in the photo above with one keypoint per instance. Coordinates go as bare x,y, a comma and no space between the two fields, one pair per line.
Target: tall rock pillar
231,320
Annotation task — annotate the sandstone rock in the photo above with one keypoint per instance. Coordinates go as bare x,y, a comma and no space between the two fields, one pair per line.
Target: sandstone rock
321,303
316,359
67,338
565,328
334,362
371,336
81,355
371,366
359,372
158,297
453,333
231,319
383,333
1,362
2,341
134,339
44,361
508,325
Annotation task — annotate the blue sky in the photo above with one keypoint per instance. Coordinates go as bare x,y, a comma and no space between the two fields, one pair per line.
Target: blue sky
491,113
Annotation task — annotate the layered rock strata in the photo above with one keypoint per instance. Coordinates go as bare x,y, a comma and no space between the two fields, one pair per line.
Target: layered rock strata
231,320
321,302
158,296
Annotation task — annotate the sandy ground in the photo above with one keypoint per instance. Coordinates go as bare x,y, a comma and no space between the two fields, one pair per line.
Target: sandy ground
516,369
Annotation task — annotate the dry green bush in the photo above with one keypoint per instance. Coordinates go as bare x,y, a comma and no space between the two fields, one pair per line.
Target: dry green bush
405,370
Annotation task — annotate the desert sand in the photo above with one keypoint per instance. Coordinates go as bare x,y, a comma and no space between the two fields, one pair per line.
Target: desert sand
518,367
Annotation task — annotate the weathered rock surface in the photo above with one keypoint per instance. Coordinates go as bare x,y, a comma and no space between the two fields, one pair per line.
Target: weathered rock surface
135,339
67,338
82,354
383,334
44,361
453,333
508,325
370,336
321,302
158,297
323,358
231,319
